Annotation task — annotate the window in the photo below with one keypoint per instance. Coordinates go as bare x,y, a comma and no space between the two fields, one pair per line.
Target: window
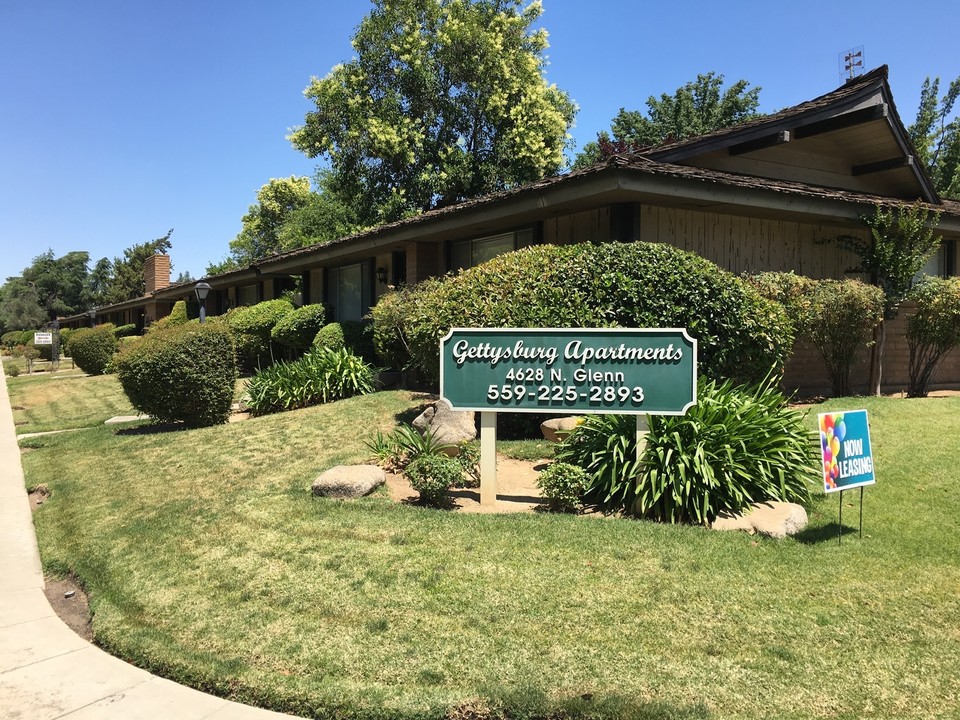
247,295
349,291
467,253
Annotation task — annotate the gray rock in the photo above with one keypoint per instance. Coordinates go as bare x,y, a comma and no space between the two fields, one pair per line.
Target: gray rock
449,427
774,519
348,481
556,429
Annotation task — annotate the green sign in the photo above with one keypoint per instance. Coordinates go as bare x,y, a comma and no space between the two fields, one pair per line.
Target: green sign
615,370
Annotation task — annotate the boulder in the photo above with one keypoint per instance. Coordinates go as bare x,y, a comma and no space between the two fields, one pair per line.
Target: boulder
348,481
448,426
774,519
556,429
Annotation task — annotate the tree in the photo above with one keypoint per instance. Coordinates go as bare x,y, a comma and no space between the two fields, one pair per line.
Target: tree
128,281
901,241
936,138
59,282
98,283
20,307
694,109
276,201
445,100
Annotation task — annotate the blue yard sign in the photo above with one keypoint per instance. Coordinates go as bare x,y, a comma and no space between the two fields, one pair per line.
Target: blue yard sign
845,450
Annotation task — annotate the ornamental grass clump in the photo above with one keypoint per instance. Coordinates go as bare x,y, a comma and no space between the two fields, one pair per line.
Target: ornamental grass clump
738,445
320,376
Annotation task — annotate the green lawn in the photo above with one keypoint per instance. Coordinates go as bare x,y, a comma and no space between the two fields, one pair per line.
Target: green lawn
209,562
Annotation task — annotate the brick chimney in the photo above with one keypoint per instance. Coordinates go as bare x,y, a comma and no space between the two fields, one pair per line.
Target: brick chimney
156,272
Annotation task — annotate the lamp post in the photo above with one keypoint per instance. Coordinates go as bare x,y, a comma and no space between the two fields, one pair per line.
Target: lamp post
92,314
202,289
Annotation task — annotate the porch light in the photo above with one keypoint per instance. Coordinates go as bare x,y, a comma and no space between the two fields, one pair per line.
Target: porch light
382,275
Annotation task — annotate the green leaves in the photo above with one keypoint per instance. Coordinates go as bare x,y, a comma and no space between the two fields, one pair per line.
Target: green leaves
737,446
444,101
320,376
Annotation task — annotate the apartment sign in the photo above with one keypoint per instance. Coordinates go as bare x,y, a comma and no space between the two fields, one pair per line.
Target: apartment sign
553,370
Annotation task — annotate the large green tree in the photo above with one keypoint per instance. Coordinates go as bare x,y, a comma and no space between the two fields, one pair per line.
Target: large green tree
936,136
286,216
696,108
60,283
444,100
20,307
127,280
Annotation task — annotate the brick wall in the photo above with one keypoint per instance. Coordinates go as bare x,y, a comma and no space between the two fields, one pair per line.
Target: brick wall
156,272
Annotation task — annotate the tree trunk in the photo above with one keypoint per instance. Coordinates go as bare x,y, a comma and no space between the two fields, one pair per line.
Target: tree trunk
876,357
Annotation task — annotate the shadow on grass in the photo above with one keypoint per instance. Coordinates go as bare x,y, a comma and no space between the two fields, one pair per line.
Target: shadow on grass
408,416
824,533
535,705
152,429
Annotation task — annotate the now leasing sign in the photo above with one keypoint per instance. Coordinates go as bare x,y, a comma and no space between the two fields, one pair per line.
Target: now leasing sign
548,370
845,450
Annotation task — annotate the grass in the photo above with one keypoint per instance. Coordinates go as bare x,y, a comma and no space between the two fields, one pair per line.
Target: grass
65,400
208,562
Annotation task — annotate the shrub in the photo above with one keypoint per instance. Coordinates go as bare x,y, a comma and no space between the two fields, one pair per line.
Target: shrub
563,486
122,331
252,326
738,445
181,373
298,328
92,349
933,330
320,376
11,339
65,334
330,336
12,369
791,291
842,313
432,475
740,333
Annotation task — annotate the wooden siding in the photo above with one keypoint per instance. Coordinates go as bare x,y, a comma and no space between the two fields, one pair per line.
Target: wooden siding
587,226
749,245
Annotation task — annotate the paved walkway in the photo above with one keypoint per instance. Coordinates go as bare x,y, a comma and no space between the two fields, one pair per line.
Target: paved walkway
46,670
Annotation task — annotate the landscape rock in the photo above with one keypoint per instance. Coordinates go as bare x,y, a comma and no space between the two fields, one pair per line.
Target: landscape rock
555,429
449,427
348,481
774,519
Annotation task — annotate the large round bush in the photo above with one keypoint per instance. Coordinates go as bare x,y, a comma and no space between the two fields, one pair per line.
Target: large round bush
741,335
252,326
92,349
182,373
297,328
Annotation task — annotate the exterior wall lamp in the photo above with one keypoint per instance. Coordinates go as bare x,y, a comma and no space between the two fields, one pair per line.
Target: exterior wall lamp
202,289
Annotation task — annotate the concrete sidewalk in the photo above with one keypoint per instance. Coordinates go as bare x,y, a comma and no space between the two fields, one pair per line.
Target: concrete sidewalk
46,670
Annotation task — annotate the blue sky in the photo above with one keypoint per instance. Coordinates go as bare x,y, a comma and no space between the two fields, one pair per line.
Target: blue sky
122,119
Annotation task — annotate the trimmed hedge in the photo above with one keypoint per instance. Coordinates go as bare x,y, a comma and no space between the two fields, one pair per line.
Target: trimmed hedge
933,330
298,328
355,335
182,373
741,334
92,349
252,326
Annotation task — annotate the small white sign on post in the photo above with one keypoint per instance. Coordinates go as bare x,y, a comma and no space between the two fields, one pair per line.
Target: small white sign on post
43,338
